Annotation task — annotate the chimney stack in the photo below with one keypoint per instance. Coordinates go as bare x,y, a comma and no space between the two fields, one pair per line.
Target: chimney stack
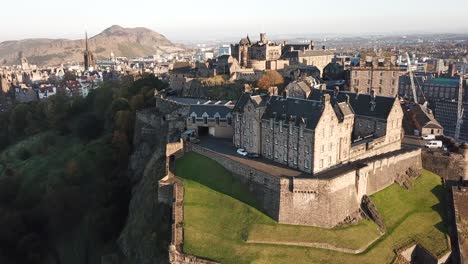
323,47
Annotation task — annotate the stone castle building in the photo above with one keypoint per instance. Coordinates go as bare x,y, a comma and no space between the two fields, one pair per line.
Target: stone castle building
302,54
378,74
314,134
262,55
319,155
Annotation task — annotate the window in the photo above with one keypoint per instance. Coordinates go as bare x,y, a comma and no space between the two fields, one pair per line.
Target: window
393,81
380,81
205,120
285,158
271,124
393,74
217,120
323,132
321,163
194,120
290,129
229,120
355,73
381,74
306,164
237,117
267,138
295,160
307,149
369,74
322,149
329,160
380,90
301,132
281,126
276,141
249,108
330,146
276,154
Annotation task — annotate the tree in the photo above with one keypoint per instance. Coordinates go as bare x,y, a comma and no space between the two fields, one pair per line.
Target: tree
89,126
57,109
270,79
18,120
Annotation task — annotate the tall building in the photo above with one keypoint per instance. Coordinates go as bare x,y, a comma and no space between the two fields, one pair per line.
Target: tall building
88,56
378,74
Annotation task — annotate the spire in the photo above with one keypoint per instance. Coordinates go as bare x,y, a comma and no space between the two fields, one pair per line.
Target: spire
86,36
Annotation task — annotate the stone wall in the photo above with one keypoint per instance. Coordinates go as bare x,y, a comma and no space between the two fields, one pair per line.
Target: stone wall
450,166
264,186
325,200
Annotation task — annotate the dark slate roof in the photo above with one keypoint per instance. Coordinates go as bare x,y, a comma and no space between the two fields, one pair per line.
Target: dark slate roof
211,110
360,103
257,100
293,109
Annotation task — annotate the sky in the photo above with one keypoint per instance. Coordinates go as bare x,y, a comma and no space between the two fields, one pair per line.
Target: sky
182,20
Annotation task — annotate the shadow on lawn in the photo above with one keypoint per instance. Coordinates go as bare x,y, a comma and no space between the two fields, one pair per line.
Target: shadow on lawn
441,208
211,174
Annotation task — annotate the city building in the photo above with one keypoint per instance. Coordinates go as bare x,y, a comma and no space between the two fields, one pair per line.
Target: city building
378,74
307,55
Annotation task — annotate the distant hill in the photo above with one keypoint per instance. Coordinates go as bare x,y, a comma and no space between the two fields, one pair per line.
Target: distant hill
126,42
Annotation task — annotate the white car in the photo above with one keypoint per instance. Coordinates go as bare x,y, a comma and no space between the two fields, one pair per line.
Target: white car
434,144
242,152
429,137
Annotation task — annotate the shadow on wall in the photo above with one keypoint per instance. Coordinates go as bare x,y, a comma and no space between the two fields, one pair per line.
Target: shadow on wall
200,169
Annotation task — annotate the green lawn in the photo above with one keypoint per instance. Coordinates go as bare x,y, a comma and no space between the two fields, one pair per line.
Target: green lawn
220,215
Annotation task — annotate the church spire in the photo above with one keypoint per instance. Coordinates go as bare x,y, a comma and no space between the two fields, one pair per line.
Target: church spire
86,37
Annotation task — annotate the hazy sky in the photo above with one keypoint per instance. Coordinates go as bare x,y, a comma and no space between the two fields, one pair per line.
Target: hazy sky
205,19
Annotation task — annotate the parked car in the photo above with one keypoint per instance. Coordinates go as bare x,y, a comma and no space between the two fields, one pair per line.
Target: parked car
242,152
434,144
429,137
253,156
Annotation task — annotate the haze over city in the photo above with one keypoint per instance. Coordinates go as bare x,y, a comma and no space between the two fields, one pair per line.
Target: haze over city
209,19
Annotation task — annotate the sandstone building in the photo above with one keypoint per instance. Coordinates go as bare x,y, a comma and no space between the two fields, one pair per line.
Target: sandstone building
378,74
262,55
307,55
317,133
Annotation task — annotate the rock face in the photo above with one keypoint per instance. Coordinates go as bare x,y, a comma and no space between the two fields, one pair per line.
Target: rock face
146,236
126,42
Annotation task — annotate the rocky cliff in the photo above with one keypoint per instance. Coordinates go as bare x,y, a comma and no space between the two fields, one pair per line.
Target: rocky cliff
146,236
126,42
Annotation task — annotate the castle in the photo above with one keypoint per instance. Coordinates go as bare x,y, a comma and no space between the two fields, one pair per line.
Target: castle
321,153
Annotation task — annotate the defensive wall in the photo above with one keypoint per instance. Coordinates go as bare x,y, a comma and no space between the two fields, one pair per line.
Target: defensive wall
325,199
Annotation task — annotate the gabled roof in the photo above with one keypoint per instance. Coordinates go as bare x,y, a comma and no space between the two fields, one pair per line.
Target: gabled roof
361,104
211,110
257,100
295,110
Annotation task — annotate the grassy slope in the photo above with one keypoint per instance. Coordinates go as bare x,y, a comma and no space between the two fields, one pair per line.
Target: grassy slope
216,224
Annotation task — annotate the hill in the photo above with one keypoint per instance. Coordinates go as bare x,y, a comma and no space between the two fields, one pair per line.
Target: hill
125,42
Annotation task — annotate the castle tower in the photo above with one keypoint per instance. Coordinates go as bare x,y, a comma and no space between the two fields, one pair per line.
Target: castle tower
88,55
